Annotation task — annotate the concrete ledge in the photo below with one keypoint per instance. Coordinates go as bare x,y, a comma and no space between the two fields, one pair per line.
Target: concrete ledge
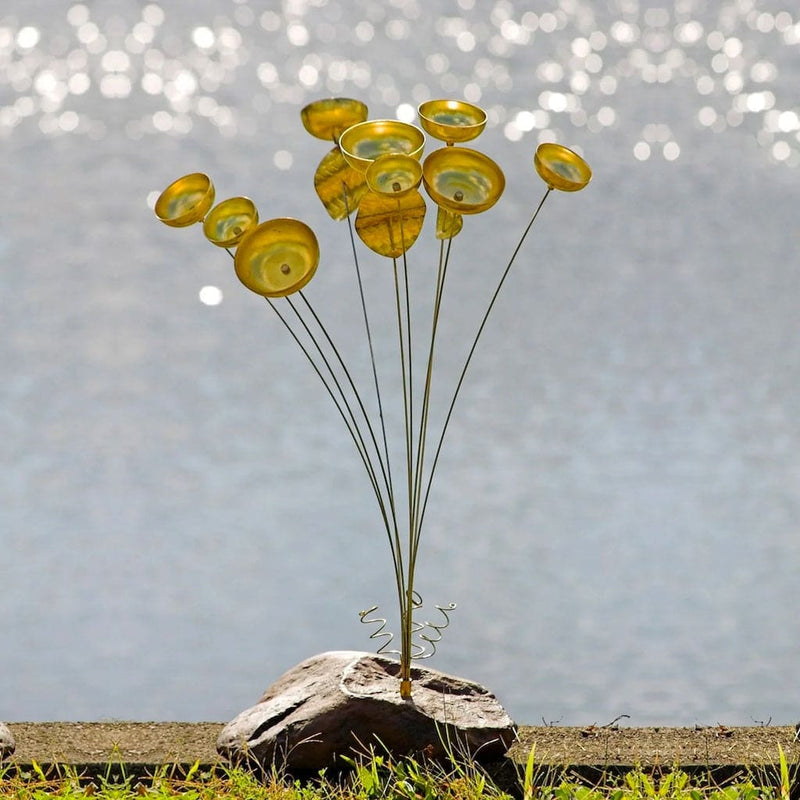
115,750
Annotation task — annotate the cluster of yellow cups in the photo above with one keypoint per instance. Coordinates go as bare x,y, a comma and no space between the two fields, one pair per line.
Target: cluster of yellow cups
375,167
273,259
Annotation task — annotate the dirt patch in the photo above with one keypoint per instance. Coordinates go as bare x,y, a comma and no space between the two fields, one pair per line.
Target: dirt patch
664,747
103,742
165,743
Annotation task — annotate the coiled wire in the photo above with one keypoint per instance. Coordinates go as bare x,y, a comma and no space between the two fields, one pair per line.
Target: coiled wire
428,633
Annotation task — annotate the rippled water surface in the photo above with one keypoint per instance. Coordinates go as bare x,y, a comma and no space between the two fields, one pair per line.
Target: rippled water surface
617,506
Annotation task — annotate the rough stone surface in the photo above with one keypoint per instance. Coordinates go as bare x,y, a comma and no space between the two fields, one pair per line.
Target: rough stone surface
7,743
339,702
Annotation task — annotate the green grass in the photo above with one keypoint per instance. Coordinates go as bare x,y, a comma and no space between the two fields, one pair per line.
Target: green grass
376,777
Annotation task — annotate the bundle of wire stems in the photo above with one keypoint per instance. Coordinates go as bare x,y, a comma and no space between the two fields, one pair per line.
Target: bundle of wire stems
311,335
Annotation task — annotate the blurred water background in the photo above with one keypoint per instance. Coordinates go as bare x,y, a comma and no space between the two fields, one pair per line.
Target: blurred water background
617,508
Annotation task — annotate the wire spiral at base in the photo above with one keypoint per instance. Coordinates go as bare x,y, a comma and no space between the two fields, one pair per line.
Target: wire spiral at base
429,633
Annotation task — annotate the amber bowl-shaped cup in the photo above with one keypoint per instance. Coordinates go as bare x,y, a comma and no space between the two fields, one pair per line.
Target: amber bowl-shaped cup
328,119
277,258
394,174
561,168
361,144
451,121
462,180
186,200
229,221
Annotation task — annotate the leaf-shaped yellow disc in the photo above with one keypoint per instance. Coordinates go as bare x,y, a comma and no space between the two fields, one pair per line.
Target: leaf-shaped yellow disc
335,177
462,180
229,221
451,120
328,119
363,143
277,258
186,200
560,168
390,225
448,223
394,174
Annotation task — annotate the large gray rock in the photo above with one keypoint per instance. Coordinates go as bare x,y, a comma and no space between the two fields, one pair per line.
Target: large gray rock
340,702
7,743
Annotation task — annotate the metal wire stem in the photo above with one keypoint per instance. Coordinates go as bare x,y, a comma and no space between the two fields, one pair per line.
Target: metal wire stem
472,350
423,428
405,601
369,340
354,434
396,554
353,429
396,544
356,393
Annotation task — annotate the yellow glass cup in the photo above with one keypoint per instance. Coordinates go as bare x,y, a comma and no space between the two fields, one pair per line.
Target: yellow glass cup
328,119
229,221
361,144
462,180
560,168
451,120
186,200
394,174
277,258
